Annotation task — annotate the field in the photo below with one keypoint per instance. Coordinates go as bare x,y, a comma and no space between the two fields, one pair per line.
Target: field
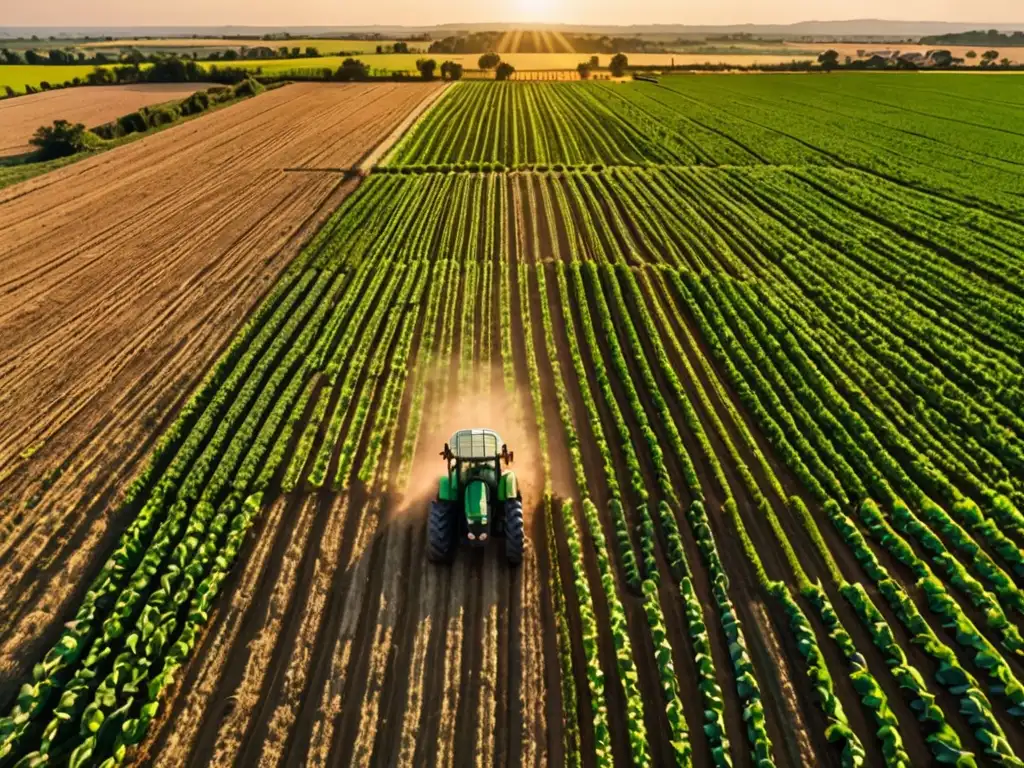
755,342
19,118
202,44
17,76
525,62
123,281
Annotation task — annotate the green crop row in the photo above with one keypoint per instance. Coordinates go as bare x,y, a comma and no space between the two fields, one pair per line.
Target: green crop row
747,687
950,674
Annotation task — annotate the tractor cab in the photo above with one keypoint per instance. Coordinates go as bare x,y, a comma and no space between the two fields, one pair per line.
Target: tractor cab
476,499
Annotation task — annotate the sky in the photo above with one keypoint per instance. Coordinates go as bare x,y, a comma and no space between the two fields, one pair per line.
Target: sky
68,13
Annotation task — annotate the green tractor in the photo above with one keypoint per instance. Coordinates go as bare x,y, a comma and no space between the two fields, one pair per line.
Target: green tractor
475,499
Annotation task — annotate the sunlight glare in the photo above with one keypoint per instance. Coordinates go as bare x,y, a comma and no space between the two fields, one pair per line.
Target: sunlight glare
537,10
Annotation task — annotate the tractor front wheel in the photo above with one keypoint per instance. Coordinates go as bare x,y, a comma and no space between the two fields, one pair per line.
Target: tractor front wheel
514,536
442,532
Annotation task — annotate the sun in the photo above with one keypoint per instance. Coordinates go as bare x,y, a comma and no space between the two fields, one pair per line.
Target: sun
536,10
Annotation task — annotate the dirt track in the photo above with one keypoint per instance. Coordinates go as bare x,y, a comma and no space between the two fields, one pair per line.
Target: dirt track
124,276
20,117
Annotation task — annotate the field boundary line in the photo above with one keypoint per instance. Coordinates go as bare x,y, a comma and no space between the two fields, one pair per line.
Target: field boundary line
382,149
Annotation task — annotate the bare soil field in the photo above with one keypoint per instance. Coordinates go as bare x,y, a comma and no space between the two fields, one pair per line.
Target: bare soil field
19,118
124,277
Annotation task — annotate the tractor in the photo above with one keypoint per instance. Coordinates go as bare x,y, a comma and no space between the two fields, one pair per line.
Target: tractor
476,501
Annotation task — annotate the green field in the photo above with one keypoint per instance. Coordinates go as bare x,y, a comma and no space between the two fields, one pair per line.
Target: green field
17,76
759,341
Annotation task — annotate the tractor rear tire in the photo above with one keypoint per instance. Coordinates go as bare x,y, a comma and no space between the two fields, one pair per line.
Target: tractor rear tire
514,536
442,532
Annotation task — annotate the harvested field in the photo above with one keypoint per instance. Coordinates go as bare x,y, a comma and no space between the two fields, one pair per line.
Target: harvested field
124,276
763,390
19,118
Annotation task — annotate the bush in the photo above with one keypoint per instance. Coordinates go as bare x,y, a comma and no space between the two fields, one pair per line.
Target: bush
162,116
246,88
61,139
100,76
196,103
11,93
131,123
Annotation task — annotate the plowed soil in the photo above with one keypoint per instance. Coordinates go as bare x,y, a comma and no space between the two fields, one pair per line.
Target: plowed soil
124,277
20,117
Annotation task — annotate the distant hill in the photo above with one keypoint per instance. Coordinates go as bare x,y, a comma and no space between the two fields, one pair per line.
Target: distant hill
856,28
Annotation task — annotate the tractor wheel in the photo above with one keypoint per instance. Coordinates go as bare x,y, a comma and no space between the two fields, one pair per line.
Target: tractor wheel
442,532
514,536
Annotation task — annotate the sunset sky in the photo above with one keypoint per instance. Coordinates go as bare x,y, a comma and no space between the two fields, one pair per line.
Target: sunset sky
407,12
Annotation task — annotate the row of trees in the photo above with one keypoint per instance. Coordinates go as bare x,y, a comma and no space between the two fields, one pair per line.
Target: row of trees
618,66
55,57
452,70
988,58
829,60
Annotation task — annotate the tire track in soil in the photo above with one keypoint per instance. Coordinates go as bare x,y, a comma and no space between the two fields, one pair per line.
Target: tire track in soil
204,677
367,505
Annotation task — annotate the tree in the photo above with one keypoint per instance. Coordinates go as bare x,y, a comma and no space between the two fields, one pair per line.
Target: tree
504,71
988,57
618,65
401,47
296,52
230,54
489,61
312,52
942,58
971,55
584,69
11,57
451,70
595,62
426,68
351,69
380,49
60,140
11,93
1005,61
100,76
829,60
33,57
